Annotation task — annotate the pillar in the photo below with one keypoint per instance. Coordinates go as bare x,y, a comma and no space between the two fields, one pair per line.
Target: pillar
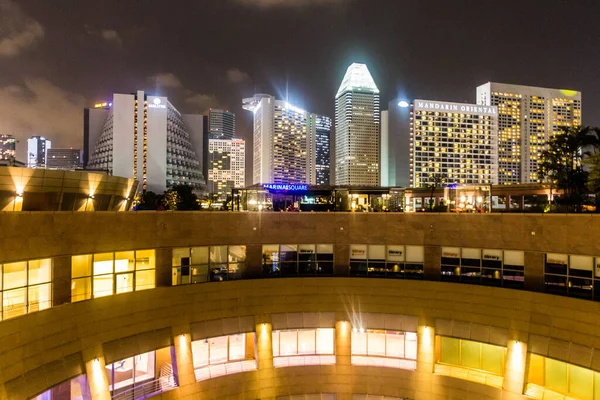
343,357
264,344
514,372
95,369
432,263
61,280
534,271
341,259
253,262
182,341
164,270
425,359
507,205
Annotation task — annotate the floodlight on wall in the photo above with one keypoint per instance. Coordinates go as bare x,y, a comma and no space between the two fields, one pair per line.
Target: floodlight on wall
403,104
19,194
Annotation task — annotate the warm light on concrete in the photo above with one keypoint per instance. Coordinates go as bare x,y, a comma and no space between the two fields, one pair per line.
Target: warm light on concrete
425,348
95,369
514,371
184,357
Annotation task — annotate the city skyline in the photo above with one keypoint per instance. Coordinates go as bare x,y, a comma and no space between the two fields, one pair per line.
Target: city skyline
126,54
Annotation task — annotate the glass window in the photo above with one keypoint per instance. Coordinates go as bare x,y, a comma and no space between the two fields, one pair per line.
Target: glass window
103,263
103,285
218,254
39,297
124,283
15,275
40,271
181,256
145,259
237,254
14,302
199,255
303,342
223,349
74,389
81,289
471,355
131,371
218,349
124,261
145,279
81,266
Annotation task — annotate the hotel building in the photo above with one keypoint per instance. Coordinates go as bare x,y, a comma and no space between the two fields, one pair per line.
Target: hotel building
280,140
527,118
227,166
357,135
146,138
37,149
317,149
221,124
452,142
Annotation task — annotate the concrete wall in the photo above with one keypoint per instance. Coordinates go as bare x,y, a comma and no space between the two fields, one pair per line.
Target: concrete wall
39,350
47,234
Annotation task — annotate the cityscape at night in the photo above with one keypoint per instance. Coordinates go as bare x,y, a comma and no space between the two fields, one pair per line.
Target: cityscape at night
299,200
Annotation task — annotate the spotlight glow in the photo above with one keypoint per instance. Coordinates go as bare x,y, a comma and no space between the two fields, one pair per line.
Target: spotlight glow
403,104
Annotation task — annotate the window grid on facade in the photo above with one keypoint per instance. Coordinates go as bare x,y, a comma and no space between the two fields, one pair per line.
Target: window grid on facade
572,275
297,260
391,261
303,347
224,355
25,287
207,263
379,347
105,274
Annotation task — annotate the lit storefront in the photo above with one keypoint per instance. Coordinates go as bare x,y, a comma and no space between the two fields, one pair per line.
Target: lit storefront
25,287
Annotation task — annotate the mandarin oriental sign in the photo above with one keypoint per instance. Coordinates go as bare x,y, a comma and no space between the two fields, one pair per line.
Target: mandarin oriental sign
455,107
284,187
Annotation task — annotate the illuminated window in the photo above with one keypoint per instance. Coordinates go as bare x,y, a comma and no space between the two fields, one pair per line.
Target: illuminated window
128,376
297,260
548,378
391,261
74,389
201,264
475,361
303,347
224,355
105,274
384,348
25,287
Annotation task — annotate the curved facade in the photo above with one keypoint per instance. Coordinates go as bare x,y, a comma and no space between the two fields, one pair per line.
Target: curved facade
334,336
27,189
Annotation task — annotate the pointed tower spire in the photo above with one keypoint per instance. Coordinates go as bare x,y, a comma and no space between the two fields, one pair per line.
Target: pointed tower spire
357,78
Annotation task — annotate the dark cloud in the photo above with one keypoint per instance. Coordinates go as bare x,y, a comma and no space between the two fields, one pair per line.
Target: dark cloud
234,75
17,30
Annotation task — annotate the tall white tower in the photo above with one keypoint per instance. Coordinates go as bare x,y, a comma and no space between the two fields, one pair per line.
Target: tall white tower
357,135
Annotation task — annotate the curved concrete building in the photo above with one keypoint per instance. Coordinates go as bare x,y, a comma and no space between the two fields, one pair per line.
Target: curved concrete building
298,306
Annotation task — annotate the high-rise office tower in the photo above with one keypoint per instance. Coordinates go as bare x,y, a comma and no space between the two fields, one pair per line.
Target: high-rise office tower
317,149
224,155
8,147
37,148
451,143
221,124
227,166
527,118
279,140
146,138
357,135
67,159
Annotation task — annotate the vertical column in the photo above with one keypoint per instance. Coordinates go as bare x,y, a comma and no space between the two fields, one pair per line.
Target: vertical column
514,372
164,261
507,205
425,359
264,342
184,360
61,280
341,259
253,262
343,357
534,271
95,369
432,266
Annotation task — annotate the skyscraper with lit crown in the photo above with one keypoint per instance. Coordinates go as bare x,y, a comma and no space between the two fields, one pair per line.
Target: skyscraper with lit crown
357,130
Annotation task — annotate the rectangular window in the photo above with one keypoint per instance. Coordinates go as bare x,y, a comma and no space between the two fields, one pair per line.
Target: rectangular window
549,378
25,287
77,388
387,261
105,274
224,355
384,348
303,347
476,361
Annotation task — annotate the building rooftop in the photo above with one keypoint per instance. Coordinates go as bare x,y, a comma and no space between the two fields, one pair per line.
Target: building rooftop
357,78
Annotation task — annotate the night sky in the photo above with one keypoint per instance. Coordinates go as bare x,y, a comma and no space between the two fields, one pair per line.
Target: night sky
59,56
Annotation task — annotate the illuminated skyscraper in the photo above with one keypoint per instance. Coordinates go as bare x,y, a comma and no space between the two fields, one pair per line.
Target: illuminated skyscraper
528,117
357,135
279,140
37,151
221,124
8,146
451,142
317,149
227,166
146,138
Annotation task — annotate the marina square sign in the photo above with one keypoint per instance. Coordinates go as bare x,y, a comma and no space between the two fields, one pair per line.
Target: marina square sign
285,187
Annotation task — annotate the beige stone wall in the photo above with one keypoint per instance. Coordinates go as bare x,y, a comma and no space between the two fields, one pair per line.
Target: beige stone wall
41,234
40,350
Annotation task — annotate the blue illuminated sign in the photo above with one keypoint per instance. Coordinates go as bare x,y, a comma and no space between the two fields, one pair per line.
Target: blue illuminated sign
282,187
